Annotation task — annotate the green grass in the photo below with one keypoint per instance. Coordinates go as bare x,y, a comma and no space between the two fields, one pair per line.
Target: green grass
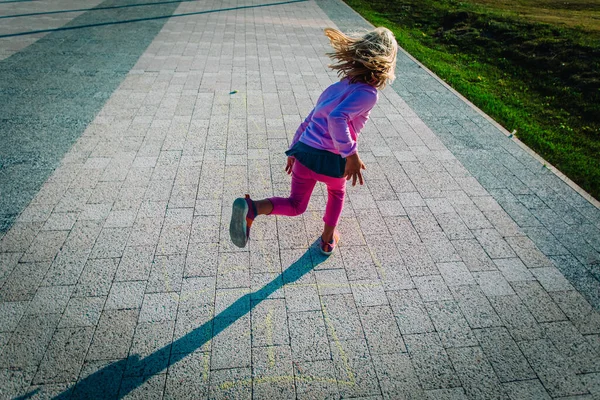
533,66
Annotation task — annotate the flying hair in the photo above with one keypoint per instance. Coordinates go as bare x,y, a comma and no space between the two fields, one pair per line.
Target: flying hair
368,58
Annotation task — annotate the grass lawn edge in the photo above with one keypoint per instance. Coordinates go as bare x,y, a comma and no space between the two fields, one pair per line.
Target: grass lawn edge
502,129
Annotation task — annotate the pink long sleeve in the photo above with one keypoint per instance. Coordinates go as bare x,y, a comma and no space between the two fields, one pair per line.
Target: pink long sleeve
302,127
334,124
356,104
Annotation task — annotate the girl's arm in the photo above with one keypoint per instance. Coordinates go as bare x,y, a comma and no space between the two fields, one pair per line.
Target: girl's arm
357,103
301,128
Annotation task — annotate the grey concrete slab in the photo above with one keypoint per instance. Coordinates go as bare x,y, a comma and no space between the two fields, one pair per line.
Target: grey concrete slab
476,374
450,324
397,376
308,334
431,361
557,376
504,354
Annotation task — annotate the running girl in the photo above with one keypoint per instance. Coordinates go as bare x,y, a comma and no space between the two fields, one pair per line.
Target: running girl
324,148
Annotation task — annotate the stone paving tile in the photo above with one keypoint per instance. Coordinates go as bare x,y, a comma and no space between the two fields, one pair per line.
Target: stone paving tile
135,264
193,330
159,307
29,341
381,330
50,300
82,312
537,300
188,378
473,255
113,335
455,274
64,357
457,393
397,376
582,278
125,295
83,236
112,372
269,324
453,226
308,334
302,298
20,236
591,382
24,281
166,274
514,270
355,372
551,279
11,313
431,361
150,339
60,221
528,252
556,374
8,262
573,346
202,259
332,281
504,354
476,374
530,389
368,293
50,390
96,277
494,245
410,312
417,259
475,306
233,270
450,324
45,246
272,372
493,283
341,317
358,263
516,317
315,379
230,383
151,387
110,243
389,263
578,310
260,281
14,380
432,288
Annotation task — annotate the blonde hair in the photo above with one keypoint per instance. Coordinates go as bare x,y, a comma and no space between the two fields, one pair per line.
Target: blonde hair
370,58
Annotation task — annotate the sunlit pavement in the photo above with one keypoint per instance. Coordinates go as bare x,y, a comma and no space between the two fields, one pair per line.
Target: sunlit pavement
467,268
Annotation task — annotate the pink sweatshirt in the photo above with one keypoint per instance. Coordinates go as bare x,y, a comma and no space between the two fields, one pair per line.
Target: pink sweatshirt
341,112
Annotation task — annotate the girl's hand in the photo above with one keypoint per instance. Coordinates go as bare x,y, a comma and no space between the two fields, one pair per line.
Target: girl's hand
353,167
290,164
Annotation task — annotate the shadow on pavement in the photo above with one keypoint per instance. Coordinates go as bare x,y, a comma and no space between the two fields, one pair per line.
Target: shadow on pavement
128,21
106,382
90,9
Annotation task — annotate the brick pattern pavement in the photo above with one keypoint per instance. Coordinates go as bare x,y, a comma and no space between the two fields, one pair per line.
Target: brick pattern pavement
121,271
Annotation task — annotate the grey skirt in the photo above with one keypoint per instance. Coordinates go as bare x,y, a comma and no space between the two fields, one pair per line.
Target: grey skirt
320,161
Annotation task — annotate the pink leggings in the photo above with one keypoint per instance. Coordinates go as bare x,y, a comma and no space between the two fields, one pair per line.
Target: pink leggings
303,183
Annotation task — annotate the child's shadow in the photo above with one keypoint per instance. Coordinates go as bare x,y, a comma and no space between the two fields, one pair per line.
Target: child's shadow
106,382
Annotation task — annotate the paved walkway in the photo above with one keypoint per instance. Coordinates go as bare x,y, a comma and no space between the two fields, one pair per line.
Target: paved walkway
466,270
